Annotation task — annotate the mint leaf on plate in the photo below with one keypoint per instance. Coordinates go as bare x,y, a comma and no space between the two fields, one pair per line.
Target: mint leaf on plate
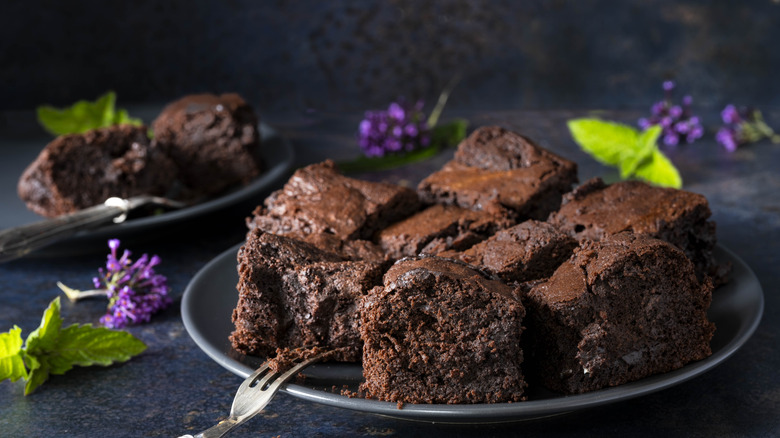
84,115
635,153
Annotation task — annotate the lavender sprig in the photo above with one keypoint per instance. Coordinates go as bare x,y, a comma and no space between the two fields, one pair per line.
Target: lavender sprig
742,126
677,121
135,292
401,135
402,128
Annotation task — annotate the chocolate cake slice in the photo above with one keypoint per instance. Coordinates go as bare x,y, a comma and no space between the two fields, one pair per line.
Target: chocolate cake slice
528,251
292,294
213,139
618,310
77,171
318,199
596,210
440,332
498,169
439,228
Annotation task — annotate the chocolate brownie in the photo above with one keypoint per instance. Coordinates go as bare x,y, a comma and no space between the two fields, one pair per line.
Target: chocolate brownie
439,228
620,309
595,210
440,332
213,139
77,171
357,249
528,251
318,199
292,294
498,169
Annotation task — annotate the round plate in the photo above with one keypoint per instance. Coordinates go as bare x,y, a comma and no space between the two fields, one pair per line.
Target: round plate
277,154
211,296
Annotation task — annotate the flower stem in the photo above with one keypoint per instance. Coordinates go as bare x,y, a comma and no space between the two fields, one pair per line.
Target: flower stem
75,295
433,119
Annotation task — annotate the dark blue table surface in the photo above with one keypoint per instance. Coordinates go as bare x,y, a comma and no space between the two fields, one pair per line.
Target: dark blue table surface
174,388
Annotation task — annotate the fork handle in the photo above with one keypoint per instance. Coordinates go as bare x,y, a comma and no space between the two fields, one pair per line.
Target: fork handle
218,430
18,241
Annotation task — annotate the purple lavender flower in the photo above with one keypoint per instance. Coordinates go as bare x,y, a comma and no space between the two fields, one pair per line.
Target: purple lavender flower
677,121
402,128
728,137
741,126
134,290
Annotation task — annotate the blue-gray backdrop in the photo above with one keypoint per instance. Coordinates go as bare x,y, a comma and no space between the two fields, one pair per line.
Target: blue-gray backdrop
348,55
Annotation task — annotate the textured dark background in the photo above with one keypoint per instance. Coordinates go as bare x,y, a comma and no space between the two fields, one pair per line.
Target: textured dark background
352,55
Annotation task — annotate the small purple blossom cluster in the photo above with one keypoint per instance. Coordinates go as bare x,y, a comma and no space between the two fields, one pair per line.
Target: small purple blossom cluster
741,126
677,121
729,135
402,128
134,290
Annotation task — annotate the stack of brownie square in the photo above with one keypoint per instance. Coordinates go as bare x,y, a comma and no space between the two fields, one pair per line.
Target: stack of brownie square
493,266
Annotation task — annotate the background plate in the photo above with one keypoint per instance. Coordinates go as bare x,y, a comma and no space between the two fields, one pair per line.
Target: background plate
211,296
276,152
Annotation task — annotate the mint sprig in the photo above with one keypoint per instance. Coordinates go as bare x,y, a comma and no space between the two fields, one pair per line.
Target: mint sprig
11,362
50,349
634,153
84,115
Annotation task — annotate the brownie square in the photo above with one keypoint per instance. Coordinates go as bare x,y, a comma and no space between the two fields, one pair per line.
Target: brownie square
528,251
213,139
318,199
596,210
439,228
292,294
440,332
618,310
77,171
498,169
357,249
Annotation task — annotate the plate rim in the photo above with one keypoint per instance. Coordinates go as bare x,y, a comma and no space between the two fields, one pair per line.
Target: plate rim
498,412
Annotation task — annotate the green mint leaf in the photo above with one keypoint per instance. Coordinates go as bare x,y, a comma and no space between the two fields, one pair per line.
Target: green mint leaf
449,134
84,345
122,117
36,378
83,116
50,349
11,362
45,336
646,144
659,171
609,143
635,154
365,164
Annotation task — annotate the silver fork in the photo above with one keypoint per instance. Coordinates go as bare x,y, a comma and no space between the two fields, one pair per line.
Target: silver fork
253,395
18,241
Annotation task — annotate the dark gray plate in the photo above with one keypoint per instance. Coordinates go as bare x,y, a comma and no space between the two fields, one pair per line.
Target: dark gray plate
211,296
277,154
